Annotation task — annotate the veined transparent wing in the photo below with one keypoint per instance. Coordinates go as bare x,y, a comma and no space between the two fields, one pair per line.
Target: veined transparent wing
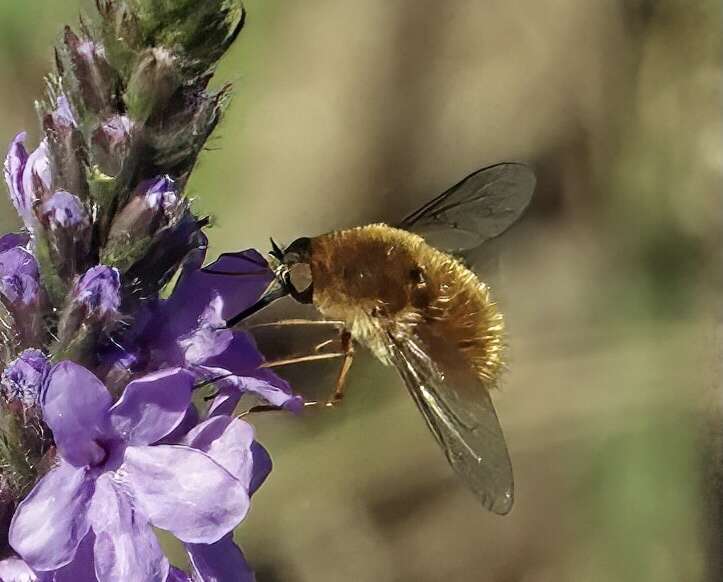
480,207
458,410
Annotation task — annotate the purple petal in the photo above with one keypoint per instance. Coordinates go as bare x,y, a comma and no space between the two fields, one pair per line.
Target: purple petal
19,277
63,114
18,260
37,178
125,546
226,400
153,206
190,419
184,491
152,406
210,339
75,407
52,520
262,466
64,210
13,569
24,377
99,291
222,561
117,129
12,240
227,441
13,171
239,278
82,568
178,575
271,388
240,355
262,382
160,193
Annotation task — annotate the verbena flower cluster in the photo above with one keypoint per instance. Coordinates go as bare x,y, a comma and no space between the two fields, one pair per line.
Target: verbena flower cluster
119,376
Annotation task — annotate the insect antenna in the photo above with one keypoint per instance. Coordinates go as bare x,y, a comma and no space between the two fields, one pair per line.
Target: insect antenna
276,251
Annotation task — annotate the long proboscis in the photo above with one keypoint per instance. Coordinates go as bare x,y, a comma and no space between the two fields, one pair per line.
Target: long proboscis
271,295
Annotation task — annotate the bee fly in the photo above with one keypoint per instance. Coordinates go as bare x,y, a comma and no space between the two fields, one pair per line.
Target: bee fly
420,310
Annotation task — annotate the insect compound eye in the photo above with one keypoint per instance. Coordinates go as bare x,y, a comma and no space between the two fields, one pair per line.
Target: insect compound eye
300,283
298,251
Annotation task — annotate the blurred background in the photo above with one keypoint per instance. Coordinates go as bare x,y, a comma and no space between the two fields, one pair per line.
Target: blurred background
350,112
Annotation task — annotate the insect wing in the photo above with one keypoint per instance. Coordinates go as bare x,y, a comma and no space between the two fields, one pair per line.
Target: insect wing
480,207
458,410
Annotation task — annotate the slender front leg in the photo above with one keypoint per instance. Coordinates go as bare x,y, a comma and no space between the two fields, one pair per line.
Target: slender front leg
337,397
347,352
347,347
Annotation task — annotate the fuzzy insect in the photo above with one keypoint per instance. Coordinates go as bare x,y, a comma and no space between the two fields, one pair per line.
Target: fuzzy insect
419,309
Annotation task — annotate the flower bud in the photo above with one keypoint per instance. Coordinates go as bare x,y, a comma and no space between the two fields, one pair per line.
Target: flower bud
37,176
111,142
23,378
154,206
97,292
12,240
66,148
21,295
153,82
202,31
92,310
13,172
28,177
19,278
63,210
96,80
68,231
62,116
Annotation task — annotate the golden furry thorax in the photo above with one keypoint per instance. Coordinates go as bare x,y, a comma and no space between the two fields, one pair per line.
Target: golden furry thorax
377,277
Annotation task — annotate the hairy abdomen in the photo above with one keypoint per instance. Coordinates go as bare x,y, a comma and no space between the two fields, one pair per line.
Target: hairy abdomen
377,278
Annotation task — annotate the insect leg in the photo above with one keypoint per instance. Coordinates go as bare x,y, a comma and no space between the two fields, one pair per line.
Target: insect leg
348,354
301,358
321,350
348,348
287,361
342,348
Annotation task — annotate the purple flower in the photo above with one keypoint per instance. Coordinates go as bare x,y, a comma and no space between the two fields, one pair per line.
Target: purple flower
152,207
189,330
12,240
230,442
116,129
98,291
159,193
96,81
68,227
62,116
223,561
111,141
23,378
36,181
28,177
13,170
20,291
113,482
19,278
63,210
214,351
